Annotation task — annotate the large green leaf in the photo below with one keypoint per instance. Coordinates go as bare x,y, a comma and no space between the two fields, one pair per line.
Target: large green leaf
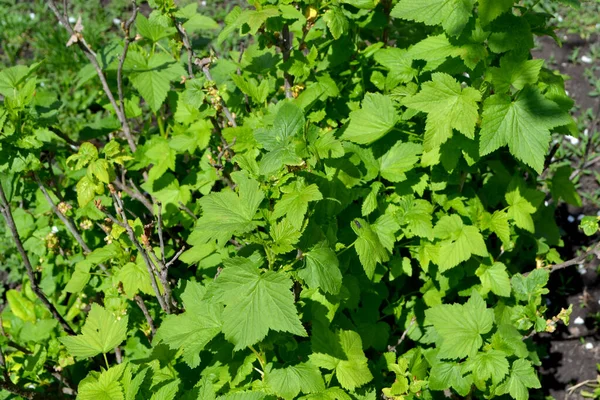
453,15
376,118
101,333
522,377
255,303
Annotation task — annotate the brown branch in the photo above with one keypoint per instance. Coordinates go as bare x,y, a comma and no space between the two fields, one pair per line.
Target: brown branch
160,232
121,212
399,342
175,257
287,38
91,56
149,320
577,260
187,210
134,193
7,214
126,28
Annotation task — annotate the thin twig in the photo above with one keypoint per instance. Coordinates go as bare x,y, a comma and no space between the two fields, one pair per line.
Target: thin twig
160,232
175,257
187,210
91,56
7,214
134,194
126,28
576,260
149,320
141,251
393,348
286,47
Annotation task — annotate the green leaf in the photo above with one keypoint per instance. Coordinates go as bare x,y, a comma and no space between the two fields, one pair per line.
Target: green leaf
562,186
445,375
22,307
522,203
522,377
336,22
106,387
290,381
255,303
350,365
151,29
86,191
589,225
448,107
459,241
398,63
453,15
192,330
322,269
488,364
370,203
489,10
401,158
515,71
135,278
460,326
494,278
227,213
368,246
523,124
101,333
284,236
374,120
152,76
294,203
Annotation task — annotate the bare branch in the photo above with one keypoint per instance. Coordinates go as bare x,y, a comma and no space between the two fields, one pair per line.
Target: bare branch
175,257
149,320
134,193
577,260
91,56
160,232
287,38
187,210
126,28
7,214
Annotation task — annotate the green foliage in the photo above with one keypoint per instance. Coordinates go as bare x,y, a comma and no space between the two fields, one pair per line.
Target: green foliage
352,206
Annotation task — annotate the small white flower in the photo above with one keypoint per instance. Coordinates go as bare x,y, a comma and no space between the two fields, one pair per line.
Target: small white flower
579,321
571,218
54,229
581,269
589,346
572,139
466,75
72,20
32,15
546,204
116,21
586,59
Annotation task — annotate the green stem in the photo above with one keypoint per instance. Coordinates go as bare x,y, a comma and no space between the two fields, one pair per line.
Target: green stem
106,360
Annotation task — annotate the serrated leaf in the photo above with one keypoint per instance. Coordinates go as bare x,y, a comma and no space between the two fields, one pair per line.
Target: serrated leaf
336,22
290,381
515,71
494,278
226,213
460,326
106,387
489,10
589,225
86,191
522,203
351,370
523,124
284,236
375,119
255,303
522,377
448,107
446,375
294,203
368,246
489,364
322,269
135,278
459,241
192,330
401,158
453,15
101,333
151,29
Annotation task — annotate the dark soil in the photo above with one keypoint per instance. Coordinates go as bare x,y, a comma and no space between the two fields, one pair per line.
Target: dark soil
573,352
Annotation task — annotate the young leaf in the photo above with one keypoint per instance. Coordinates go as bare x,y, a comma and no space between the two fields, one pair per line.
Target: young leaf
374,120
460,241
368,246
460,326
488,364
494,278
448,107
294,203
193,329
255,303
290,381
101,333
589,225
523,124
322,269
453,15
401,158
522,377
